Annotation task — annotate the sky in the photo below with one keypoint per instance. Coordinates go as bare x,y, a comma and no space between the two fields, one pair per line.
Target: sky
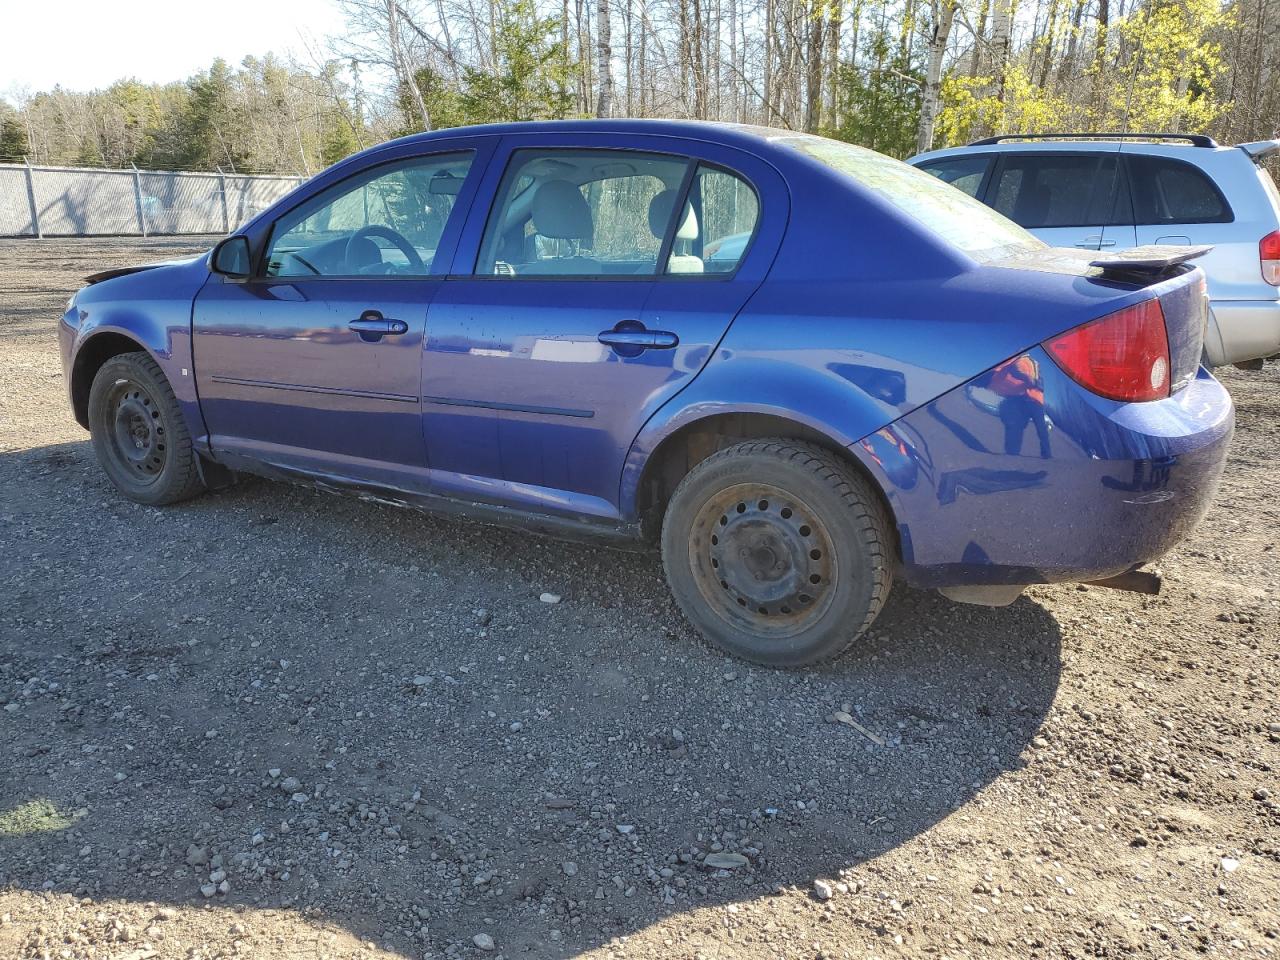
89,44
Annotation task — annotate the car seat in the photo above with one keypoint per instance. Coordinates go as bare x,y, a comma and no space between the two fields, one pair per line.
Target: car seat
560,212
681,260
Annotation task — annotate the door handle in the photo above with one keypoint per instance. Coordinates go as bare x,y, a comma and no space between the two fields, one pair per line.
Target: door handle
1095,243
640,339
373,326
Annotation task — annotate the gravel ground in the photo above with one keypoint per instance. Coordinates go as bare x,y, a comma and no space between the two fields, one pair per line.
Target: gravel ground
274,723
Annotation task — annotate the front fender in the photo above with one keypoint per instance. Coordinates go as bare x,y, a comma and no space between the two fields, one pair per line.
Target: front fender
151,309
820,398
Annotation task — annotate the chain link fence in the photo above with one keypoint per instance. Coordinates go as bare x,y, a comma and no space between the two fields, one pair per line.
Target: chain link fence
37,201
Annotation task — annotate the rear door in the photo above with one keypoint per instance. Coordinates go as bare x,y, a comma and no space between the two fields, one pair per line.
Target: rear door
1066,198
1175,202
592,290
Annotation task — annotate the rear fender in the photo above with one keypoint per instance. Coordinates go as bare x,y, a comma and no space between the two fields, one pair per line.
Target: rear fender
813,398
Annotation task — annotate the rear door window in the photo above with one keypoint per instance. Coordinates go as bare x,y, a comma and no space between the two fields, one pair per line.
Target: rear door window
1166,190
1056,190
581,213
965,173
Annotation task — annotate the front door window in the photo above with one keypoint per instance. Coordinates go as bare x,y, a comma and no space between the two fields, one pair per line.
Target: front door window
383,222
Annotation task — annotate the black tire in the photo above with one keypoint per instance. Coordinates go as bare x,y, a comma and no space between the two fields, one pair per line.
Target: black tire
139,435
777,552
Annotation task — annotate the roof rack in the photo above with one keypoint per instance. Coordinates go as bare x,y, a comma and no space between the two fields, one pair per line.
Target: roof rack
1195,139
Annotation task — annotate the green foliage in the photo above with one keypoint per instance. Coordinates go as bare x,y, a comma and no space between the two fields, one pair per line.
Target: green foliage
530,80
1156,70
339,139
13,137
879,106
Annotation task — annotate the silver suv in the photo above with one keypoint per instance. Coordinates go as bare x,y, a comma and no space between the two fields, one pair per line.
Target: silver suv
1109,192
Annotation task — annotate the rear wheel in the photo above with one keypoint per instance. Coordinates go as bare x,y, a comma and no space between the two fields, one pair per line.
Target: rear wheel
777,552
138,432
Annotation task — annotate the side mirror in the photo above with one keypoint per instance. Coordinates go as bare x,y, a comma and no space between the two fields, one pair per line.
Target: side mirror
231,258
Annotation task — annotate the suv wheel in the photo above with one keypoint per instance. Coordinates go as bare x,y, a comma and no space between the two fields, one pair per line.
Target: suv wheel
777,552
138,432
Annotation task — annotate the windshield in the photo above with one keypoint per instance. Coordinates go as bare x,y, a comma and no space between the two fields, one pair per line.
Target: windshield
959,219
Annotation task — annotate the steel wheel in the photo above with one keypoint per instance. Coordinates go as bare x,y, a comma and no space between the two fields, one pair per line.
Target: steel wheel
136,438
763,559
777,551
139,434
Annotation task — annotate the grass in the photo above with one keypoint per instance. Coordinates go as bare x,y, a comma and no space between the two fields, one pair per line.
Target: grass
35,816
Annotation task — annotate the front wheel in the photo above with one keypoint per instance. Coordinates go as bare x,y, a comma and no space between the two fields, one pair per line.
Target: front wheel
777,552
138,432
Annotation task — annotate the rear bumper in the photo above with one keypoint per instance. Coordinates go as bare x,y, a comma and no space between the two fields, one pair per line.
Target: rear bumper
1242,330
1067,486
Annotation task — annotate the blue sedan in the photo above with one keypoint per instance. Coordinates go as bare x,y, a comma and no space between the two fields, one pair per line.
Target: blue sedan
800,369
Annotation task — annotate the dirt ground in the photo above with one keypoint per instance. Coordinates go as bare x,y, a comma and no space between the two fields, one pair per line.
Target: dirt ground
274,723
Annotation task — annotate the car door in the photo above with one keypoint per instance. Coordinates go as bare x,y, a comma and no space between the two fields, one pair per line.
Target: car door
314,363
581,302
1066,198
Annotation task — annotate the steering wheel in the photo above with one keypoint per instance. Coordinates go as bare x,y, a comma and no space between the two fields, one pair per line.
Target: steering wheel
395,239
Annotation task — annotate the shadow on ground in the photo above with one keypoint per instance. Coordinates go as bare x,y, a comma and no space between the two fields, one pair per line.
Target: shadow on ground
455,741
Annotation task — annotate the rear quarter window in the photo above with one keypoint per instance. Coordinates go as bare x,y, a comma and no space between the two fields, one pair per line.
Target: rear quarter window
1166,190
957,218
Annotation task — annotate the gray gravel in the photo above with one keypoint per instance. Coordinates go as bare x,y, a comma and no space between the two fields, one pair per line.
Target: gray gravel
273,720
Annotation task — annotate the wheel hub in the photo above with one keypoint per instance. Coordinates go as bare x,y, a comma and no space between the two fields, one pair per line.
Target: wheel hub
137,430
767,562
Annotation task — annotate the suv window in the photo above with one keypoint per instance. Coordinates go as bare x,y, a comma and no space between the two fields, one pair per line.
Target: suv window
581,213
1173,191
963,172
1055,190
383,222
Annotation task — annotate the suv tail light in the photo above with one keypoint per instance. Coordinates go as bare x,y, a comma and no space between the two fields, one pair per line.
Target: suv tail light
1269,257
1122,356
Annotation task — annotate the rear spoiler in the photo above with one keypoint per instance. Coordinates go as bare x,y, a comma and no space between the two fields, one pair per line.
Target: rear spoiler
1260,150
1147,261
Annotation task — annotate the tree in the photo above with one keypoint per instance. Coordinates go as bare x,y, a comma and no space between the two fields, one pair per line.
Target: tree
604,54
530,75
943,16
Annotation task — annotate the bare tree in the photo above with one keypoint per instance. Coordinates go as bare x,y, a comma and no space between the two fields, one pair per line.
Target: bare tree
943,15
604,57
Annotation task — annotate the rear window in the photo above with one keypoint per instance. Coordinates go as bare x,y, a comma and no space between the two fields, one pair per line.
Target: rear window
1173,191
959,219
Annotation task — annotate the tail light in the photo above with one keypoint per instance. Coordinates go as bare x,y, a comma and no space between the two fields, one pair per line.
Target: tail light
1269,257
1122,356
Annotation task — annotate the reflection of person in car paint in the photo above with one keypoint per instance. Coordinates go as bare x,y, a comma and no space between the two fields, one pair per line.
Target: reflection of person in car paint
1017,383
891,453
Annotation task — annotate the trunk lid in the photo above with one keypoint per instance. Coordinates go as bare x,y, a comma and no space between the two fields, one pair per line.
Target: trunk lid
1163,272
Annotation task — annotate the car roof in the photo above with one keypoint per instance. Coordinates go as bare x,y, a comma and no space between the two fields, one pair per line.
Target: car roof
1163,148
735,134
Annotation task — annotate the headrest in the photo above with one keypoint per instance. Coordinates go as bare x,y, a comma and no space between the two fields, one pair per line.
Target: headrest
561,212
660,215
